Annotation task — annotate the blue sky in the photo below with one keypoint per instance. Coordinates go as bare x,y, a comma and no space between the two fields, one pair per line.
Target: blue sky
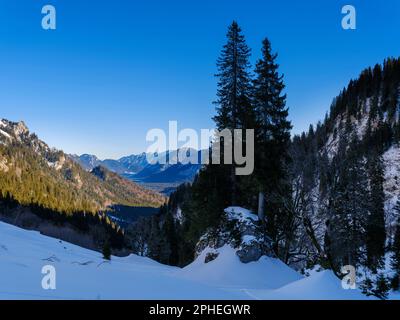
115,69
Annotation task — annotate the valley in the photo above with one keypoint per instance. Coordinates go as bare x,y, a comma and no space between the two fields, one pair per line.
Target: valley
161,177
308,216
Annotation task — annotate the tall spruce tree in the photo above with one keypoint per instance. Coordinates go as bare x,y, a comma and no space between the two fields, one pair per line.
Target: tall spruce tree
375,229
234,87
395,260
348,204
272,142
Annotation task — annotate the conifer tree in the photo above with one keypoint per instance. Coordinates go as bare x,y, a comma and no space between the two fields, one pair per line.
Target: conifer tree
381,287
367,287
375,229
348,205
273,128
395,260
106,251
272,141
234,85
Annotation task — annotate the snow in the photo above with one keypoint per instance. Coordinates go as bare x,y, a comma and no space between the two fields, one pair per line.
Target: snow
179,215
322,285
362,124
248,239
391,160
360,127
83,274
332,143
240,214
57,165
228,272
5,134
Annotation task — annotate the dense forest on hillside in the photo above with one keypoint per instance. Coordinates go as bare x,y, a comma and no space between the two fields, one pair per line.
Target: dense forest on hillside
53,181
90,230
35,179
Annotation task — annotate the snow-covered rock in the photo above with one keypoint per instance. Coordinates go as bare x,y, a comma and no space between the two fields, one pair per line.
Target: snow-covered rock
228,271
240,230
242,215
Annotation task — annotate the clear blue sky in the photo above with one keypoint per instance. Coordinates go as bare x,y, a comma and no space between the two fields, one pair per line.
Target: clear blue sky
115,69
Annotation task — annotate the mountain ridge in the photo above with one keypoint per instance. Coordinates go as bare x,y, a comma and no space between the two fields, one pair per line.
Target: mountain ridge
34,173
160,177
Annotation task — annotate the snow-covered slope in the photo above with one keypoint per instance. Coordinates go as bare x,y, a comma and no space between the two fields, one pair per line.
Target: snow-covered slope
391,160
322,285
227,271
83,274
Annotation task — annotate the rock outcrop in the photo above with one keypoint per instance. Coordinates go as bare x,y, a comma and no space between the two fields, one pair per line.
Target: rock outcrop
241,230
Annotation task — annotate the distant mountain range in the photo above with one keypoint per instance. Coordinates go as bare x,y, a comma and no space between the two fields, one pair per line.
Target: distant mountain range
160,177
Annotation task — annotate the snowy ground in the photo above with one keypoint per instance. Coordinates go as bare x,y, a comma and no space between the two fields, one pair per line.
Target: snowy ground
391,160
83,274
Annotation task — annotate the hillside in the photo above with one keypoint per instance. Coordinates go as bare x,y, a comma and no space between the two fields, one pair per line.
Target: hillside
360,136
32,173
338,203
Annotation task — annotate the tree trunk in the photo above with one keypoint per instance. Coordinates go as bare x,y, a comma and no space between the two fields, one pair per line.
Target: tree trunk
233,181
261,206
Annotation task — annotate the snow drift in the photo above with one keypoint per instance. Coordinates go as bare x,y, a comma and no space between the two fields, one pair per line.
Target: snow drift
227,271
